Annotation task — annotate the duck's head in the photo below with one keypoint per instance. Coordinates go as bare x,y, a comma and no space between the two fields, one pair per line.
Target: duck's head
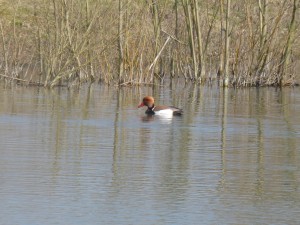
147,101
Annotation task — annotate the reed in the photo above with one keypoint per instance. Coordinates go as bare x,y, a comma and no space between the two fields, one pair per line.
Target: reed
126,42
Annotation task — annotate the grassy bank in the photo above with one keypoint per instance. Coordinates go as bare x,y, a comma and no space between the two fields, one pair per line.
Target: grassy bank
126,42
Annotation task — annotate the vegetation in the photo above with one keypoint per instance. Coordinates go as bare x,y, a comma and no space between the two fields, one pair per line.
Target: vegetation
127,42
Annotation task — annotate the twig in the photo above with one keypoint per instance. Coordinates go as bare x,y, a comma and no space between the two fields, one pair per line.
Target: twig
156,58
173,37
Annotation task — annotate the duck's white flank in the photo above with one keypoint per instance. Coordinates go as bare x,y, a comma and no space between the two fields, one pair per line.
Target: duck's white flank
165,113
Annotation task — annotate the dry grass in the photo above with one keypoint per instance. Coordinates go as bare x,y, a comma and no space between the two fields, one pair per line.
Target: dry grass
70,42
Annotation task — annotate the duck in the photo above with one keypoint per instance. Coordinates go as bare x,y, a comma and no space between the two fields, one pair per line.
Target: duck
153,109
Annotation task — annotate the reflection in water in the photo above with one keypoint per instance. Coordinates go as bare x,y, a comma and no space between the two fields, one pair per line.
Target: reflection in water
147,118
258,156
161,119
89,156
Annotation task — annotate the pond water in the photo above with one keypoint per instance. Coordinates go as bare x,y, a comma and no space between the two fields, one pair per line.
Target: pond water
89,156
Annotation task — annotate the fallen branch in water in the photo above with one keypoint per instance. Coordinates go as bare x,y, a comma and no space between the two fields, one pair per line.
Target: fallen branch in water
22,80
131,83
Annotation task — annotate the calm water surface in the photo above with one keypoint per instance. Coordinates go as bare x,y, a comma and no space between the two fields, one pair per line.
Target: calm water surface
89,156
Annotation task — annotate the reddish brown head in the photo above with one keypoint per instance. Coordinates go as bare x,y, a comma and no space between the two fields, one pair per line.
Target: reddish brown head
147,101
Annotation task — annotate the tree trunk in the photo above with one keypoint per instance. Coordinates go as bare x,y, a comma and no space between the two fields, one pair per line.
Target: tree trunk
227,43
190,27
121,42
285,58
200,46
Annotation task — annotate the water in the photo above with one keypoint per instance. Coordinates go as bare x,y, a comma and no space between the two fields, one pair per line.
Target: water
89,156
